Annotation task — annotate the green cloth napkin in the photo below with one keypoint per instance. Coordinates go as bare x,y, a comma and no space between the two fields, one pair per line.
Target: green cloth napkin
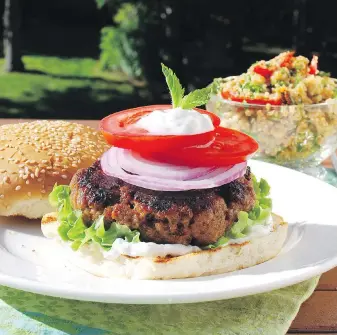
271,313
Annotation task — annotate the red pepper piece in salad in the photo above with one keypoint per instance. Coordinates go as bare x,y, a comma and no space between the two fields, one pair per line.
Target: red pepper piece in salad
313,67
266,70
263,71
287,58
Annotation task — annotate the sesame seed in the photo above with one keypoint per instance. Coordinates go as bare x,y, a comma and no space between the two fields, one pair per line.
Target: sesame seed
25,176
44,161
27,182
43,171
2,196
32,175
37,172
64,176
55,173
18,188
6,179
29,194
43,191
39,179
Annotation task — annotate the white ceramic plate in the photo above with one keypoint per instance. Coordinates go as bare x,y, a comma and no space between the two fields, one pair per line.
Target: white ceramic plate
30,262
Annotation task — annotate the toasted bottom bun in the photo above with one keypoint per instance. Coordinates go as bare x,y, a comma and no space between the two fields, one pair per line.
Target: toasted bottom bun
29,208
203,263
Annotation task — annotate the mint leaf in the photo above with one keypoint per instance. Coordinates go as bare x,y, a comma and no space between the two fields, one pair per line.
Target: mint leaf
196,98
173,83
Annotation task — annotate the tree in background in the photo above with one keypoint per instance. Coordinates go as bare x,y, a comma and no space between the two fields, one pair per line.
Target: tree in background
120,44
143,34
11,39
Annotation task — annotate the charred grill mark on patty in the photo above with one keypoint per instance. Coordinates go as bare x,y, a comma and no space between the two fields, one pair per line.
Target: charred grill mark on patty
236,191
163,201
100,190
197,217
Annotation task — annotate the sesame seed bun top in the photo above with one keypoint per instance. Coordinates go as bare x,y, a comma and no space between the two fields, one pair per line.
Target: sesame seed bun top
36,155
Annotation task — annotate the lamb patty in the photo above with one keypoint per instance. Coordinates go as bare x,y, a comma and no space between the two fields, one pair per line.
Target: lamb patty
197,217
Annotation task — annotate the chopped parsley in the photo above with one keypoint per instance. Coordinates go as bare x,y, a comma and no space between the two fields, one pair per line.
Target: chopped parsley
255,88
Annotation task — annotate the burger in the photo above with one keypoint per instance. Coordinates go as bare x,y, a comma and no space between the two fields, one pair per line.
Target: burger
172,198
36,155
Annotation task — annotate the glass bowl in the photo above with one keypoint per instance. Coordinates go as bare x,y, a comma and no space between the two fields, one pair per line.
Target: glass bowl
296,136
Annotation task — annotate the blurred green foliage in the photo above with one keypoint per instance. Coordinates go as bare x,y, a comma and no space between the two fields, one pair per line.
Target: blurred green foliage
64,88
120,44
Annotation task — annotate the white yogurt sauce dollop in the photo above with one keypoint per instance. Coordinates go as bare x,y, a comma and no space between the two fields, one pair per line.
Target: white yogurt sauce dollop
176,121
150,249
147,249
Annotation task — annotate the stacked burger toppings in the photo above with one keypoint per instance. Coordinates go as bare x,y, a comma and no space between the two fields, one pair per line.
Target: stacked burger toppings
173,176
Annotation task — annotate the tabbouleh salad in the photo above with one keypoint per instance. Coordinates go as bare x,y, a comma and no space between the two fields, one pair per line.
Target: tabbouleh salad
286,104
285,79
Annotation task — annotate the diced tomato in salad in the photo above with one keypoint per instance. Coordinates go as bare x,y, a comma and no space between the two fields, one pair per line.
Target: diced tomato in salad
258,101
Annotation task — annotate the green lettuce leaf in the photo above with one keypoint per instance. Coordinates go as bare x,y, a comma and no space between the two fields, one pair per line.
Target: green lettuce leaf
258,215
73,229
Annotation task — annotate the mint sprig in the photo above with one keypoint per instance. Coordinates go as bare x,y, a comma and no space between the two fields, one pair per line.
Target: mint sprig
173,83
193,99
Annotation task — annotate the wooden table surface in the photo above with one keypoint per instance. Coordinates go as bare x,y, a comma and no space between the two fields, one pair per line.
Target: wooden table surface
318,315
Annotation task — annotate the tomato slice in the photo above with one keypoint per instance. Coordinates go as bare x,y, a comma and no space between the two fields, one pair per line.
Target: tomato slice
229,147
118,131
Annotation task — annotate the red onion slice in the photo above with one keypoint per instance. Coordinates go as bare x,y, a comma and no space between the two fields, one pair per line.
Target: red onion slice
111,165
135,164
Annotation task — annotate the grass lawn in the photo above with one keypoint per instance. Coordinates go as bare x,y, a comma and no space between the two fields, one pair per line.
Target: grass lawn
55,87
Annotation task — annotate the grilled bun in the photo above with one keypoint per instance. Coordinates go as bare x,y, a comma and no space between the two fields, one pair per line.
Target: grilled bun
36,155
201,263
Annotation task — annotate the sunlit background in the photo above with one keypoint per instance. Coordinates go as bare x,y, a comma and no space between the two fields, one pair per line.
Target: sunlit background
83,59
